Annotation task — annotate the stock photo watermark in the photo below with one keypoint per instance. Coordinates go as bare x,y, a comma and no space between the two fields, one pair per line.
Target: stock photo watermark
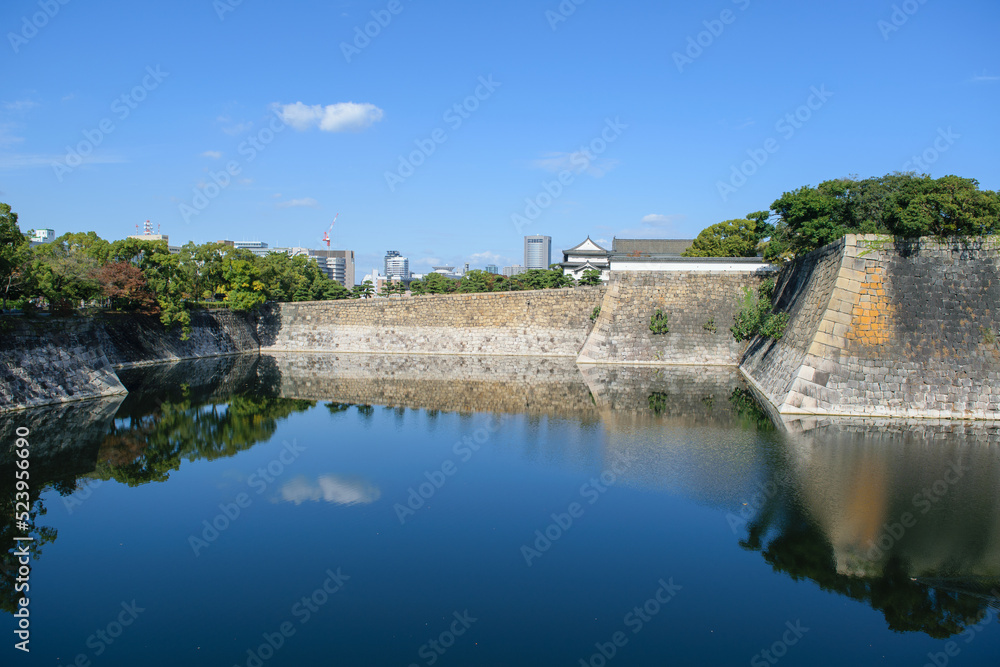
22,519
578,162
363,36
122,107
104,637
787,126
779,649
562,522
697,44
223,7
952,648
435,648
418,496
31,25
252,146
942,144
562,13
303,611
899,17
635,620
454,116
259,482
924,501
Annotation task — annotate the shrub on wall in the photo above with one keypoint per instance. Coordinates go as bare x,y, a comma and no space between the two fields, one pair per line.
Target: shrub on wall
755,318
594,315
658,322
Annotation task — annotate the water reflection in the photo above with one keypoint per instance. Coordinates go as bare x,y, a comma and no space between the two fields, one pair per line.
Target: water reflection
904,516
331,489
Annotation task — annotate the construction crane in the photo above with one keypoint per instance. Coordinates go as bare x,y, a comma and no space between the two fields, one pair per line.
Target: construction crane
326,234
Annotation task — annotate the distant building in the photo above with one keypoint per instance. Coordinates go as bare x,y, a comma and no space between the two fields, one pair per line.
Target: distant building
537,252
667,255
258,248
511,271
584,257
339,265
41,236
492,268
396,266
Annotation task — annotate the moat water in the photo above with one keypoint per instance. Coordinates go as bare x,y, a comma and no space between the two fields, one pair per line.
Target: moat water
403,511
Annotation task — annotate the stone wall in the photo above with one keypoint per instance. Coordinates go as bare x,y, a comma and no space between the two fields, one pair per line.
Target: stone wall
694,302
883,328
135,340
547,323
44,362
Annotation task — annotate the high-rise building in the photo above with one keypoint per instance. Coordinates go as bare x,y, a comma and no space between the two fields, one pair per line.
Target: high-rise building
537,252
396,266
340,265
492,268
511,271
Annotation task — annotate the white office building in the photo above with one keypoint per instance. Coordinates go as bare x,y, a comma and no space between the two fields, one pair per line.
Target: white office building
537,252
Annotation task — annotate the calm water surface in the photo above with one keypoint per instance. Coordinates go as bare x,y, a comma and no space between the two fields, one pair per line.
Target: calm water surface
361,510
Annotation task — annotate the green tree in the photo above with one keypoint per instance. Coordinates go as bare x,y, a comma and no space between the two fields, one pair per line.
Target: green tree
591,277
14,254
63,273
732,238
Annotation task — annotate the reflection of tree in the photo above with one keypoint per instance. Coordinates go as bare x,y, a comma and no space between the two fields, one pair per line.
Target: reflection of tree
148,446
8,531
751,415
797,547
658,402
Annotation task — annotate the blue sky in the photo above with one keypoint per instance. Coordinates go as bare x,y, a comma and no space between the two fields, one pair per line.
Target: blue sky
650,131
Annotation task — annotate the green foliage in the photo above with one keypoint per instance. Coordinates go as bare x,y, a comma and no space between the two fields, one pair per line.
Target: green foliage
590,277
755,318
658,322
14,253
595,313
710,326
901,204
732,238
658,402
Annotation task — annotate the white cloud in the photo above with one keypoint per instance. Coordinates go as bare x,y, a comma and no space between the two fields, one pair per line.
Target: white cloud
307,202
658,220
577,162
68,98
233,129
342,117
653,226
19,106
215,155
984,77
486,258
428,261
331,489
28,161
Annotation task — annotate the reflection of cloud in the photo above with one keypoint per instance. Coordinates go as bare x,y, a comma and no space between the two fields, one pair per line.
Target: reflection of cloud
332,489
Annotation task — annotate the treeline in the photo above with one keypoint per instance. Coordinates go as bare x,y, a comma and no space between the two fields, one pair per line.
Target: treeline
82,269
481,281
900,204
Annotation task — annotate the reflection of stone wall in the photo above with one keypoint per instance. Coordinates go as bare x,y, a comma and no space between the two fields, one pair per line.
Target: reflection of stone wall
447,383
887,329
692,301
63,437
541,323
855,477
691,396
53,361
